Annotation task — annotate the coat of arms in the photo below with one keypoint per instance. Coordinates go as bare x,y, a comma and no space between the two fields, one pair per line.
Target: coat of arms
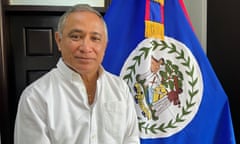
166,84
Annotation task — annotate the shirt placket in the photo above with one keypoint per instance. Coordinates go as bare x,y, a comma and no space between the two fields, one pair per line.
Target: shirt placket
93,131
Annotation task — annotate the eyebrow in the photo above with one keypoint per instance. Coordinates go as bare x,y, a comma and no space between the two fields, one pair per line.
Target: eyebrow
81,31
75,30
97,33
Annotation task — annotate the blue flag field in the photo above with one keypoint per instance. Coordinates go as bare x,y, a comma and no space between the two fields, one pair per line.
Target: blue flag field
178,97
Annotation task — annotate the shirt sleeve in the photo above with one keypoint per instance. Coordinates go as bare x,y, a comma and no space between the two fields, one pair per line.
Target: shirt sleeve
30,124
132,134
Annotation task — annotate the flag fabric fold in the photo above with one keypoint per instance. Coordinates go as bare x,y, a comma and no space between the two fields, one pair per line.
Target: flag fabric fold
194,100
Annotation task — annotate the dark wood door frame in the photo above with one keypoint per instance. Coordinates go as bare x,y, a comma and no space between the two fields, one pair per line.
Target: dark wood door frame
4,108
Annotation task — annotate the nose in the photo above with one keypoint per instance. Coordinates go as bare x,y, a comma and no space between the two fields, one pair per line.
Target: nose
85,45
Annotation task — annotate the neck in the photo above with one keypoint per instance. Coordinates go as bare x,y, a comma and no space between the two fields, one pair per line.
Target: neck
90,82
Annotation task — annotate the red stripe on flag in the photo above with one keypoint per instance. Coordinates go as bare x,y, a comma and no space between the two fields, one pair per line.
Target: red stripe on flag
162,13
147,12
185,12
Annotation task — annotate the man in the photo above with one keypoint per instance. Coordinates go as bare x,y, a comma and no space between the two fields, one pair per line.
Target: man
78,102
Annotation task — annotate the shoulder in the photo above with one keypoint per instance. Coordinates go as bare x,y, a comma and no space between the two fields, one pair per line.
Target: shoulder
41,86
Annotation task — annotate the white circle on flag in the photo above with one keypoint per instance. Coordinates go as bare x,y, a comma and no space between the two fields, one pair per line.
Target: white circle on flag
166,82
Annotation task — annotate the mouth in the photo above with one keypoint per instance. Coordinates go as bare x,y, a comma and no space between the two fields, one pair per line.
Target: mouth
84,59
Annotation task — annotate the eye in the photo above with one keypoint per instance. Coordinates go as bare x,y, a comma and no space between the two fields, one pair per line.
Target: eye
75,37
96,38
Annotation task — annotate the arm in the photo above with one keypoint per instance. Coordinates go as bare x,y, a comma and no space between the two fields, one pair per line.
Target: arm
30,124
132,133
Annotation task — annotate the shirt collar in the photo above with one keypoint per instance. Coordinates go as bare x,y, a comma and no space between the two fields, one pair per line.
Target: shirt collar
72,75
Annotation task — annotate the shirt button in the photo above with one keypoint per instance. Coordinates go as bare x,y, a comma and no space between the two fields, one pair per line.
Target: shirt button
94,136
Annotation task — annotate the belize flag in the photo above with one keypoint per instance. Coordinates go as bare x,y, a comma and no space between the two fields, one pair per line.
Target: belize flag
178,98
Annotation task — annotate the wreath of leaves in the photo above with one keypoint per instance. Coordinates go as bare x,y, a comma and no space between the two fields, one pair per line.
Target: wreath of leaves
192,91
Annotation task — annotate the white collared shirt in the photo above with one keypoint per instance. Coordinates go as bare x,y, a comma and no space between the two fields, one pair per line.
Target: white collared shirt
55,110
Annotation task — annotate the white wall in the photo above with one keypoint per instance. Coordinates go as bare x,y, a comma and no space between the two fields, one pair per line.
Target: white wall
197,10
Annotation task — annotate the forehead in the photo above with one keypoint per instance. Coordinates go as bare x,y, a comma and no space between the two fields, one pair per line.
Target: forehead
84,17
84,20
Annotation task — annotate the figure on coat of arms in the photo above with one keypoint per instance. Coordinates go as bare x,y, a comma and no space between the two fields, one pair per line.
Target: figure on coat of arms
152,79
154,92
155,97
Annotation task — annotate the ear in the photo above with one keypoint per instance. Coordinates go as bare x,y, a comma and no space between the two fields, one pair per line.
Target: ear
58,39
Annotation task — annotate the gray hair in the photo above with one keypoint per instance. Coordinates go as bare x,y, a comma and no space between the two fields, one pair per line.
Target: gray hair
77,8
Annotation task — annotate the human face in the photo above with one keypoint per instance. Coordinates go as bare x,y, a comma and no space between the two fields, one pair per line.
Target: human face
83,42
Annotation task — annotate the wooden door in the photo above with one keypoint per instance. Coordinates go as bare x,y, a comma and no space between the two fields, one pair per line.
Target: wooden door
32,53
